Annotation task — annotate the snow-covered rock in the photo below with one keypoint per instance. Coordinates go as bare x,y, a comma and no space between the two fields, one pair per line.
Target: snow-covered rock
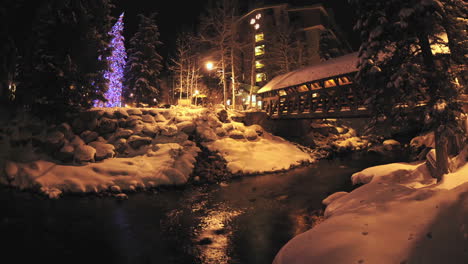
169,130
427,140
134,111
120,113
66,153
76,141
136,141
84,154
122,133
66,130
220,132
186,127
107,125
150,130
236,134
250,134
159,118
11,170
103,150
391,144
89,136
147,119
206,133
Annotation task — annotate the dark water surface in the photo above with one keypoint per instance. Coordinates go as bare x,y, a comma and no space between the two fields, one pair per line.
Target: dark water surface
246,220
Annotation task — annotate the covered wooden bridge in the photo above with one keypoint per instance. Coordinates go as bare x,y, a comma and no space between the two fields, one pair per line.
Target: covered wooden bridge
325,90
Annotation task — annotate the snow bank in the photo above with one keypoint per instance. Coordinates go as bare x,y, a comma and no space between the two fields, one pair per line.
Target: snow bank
247,149
122,149
263,155
168,164
400,215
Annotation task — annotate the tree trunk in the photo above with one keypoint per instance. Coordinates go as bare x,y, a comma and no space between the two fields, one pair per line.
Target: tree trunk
233,81
439,134
252,75
181,81
223,76
441,154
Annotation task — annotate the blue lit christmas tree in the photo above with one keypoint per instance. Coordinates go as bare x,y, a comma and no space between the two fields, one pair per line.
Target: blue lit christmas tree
117,63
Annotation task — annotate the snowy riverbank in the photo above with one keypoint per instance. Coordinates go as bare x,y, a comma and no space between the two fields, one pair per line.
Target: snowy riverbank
119,150
399,215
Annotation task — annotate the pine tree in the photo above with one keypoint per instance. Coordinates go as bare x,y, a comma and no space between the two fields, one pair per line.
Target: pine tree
116,60
400,71
144,63
63,70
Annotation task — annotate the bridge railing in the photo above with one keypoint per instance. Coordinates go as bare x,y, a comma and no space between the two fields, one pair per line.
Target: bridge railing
341,100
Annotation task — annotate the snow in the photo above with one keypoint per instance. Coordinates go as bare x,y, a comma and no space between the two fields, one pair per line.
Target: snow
399,215
263,155
333,67
118,152
170,164
427,140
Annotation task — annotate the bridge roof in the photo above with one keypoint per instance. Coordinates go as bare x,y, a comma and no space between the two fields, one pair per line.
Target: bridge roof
333,67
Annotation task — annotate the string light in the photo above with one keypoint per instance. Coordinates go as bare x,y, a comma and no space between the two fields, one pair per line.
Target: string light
117,64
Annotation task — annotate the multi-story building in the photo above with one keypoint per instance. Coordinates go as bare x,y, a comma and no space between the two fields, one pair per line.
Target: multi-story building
280,38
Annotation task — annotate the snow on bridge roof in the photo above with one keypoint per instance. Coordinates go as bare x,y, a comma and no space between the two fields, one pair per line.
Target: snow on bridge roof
333,67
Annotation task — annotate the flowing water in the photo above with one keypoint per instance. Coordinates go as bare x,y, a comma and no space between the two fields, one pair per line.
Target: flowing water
245,220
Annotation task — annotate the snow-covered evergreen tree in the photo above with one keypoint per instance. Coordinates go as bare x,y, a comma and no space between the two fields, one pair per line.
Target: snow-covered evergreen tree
61,69
401,72
144,63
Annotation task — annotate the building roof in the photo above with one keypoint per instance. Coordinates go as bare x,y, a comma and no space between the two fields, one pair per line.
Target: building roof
333,67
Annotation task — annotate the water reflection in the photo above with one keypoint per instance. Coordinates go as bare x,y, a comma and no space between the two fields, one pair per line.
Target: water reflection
214,234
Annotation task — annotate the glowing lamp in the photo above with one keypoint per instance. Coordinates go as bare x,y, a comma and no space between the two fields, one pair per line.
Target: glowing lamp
209,66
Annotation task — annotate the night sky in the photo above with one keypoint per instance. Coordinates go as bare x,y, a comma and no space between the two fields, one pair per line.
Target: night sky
175,16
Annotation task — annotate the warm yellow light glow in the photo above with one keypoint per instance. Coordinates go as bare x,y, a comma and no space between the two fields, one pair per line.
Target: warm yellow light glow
259,64
260,77
209,65
344,80
257,26
259,50
259,37
303,88
441,48
196,92
258,16
282,93
330,83
252,21
316,86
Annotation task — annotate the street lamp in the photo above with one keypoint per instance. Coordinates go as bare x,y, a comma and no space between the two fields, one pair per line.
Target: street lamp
196,96
209,66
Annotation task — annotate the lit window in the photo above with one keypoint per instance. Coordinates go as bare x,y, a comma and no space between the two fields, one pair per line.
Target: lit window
330,83
303,88
258,16
259,50
282,93
252,21
260,77
257,26
316,86
259,37
259,64
344,80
